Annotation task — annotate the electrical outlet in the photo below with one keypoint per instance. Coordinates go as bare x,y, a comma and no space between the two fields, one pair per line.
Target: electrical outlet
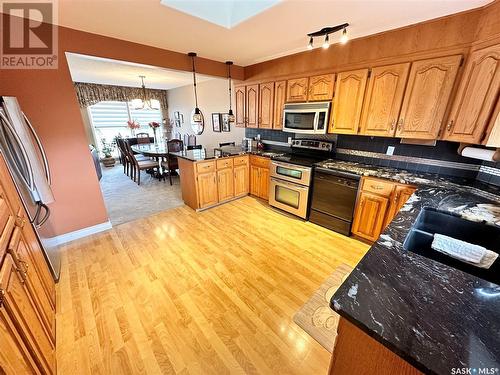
289,140
390,150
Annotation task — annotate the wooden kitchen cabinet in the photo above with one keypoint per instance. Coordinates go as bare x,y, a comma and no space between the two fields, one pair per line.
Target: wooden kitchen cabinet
240,106
207,189
378,202
266,105
241,176
297,89
426,98
493,133
259,177
279,103
383,100
321,87
17,307
252,106
225,184
476,97
348,102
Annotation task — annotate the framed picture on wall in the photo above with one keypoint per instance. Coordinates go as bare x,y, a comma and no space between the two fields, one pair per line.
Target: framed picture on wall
177,123
216,122
181,118
225,122
177,115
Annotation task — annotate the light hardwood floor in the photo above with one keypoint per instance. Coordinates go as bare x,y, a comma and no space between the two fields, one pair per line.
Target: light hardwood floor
196,293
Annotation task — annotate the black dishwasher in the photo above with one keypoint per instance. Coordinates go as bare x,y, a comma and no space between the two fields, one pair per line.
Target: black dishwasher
333,199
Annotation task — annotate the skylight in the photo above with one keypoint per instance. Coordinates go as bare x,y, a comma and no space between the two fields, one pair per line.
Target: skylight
225,13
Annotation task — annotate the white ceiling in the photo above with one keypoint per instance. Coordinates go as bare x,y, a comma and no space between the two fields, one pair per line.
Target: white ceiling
277,31
91,69
227,13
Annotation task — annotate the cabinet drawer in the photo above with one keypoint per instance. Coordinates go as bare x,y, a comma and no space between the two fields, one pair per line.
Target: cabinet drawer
259,161
241,160
206,166
225,163
377,186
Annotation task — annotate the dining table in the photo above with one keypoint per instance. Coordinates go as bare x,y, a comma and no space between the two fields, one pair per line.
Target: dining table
158,151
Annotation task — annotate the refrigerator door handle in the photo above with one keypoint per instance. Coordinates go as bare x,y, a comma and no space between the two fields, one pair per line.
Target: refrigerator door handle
40,147
37,213
45,217
30,181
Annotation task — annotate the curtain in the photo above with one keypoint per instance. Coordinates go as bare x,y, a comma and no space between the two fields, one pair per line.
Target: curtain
92,93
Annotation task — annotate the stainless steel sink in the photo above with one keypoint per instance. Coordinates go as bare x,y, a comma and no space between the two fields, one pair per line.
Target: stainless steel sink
431,221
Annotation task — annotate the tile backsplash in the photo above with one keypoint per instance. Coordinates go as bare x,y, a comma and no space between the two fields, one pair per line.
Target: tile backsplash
441,158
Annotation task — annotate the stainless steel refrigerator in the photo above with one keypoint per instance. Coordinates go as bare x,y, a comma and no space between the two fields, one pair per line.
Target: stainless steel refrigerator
30,170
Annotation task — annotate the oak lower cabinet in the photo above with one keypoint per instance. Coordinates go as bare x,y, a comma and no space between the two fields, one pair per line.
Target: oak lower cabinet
476,97
241,177
378,202
348,102
207,189
225,183
259,177
427,94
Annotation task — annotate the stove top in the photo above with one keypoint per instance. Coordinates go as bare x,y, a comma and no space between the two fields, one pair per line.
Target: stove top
303,160
307,152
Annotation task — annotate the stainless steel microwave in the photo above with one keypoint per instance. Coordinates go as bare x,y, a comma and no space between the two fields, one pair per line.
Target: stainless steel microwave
306,118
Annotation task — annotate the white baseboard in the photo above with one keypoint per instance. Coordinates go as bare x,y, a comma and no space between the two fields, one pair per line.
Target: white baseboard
77,234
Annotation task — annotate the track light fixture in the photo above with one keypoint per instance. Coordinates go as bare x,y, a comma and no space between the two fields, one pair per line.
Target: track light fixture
326,31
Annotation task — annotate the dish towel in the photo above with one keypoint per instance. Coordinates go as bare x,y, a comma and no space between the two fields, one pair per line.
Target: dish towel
473,254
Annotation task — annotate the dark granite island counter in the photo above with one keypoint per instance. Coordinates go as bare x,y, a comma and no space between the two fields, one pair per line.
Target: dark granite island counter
437,318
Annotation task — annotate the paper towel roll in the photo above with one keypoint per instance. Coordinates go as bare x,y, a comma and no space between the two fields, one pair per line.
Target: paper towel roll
478,153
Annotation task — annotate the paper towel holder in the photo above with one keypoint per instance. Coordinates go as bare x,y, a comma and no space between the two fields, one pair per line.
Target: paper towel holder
496,155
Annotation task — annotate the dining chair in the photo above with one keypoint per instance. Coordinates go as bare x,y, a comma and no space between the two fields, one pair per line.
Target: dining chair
227,144
142,138
138,165
194,147
174,145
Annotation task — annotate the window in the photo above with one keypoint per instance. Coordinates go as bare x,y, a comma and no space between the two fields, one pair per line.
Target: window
109,120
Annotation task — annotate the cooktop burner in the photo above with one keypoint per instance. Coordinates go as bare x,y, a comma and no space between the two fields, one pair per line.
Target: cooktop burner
307,152
304,160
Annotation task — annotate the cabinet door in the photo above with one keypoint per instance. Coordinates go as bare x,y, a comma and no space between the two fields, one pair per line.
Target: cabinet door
240,106
426,97
493,138
241,180
254,180
252,106
348,101
476,97
279,103
264,183
321,87
7,220
399,197
266,98
207,189
18,307
369,216
297,90
383,100
225,184
26,262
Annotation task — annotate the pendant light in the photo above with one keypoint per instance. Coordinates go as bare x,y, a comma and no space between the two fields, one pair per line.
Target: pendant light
325,32
144,102
230,112
196,117
344,38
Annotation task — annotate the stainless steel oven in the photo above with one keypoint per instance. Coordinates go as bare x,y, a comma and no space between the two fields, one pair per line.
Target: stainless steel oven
289,188
306,118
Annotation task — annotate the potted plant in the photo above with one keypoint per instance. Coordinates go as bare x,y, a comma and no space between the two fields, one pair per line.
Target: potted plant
107,150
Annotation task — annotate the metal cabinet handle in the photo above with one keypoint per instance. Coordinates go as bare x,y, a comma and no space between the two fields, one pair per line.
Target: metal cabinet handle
401,122
393,124
450,124
376,187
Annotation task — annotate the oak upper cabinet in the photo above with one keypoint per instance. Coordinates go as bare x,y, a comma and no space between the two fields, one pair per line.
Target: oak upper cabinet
321,87
476,97
18,309
383,100
241,175
427,95
369,215
279,103
297,90
348,101
252,106
493,134
240,106
266,99
207,189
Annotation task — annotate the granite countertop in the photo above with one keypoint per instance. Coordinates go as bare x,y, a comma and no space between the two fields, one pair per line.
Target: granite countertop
219,152
434,316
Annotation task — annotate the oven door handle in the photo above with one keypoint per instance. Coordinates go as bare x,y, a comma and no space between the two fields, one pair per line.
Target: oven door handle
289,166
289,184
